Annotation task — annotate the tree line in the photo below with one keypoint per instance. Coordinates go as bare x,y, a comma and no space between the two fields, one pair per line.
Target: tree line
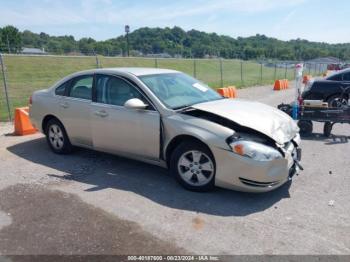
175,42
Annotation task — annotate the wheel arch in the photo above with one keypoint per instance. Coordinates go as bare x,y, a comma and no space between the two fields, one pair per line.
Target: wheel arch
174,142
46,119
335,95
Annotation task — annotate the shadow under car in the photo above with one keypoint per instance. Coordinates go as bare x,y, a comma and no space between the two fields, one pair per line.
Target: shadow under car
101,171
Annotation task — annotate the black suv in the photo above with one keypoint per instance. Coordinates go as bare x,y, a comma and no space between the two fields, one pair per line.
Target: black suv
334,89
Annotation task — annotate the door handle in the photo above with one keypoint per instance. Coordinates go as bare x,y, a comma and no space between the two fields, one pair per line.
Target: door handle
64,105
101,113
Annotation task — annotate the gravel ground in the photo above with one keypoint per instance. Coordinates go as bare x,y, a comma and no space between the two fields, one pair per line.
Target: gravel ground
311,215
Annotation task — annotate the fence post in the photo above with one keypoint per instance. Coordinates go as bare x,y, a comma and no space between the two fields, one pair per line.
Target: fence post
242,73
5,87
309,69
261,73
294,72
285,71
97,61
194,68
275,72
315,68
155,62
221,74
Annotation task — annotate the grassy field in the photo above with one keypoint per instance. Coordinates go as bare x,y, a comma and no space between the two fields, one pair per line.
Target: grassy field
26,74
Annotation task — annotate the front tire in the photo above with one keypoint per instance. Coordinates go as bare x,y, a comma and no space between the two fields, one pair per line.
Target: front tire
327,129
193,166
57,137
306,127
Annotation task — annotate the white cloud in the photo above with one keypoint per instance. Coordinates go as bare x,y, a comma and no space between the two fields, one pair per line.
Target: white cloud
37,16
286,20
112,12
182,9
96,17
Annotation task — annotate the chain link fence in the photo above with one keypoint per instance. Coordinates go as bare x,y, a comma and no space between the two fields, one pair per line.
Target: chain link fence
22,74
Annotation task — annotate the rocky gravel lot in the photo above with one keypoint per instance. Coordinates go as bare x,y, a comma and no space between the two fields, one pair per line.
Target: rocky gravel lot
95,203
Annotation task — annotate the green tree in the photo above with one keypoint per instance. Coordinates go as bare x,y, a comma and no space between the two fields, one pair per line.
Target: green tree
2,47
12,39
176,41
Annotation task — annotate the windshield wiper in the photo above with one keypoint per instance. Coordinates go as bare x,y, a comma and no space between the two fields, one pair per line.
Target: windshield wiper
183,108
188,106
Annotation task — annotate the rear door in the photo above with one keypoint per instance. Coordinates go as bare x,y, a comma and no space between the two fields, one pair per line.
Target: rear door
75,110
118,129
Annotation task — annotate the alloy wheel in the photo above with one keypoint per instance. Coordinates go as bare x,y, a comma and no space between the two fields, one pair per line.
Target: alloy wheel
196,168
339,102
56,137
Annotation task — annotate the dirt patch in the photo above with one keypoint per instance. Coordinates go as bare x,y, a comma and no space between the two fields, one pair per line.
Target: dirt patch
51,222
198,223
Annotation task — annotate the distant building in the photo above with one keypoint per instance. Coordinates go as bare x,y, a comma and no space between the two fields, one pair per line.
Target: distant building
210,56
324,60
33,51
321,64
136,53
161,55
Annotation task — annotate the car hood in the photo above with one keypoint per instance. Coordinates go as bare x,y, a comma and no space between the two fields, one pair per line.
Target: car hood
263,118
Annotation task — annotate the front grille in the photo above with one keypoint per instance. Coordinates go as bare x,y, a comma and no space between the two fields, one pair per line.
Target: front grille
257,183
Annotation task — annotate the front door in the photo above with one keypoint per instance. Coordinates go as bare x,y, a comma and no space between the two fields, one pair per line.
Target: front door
121,130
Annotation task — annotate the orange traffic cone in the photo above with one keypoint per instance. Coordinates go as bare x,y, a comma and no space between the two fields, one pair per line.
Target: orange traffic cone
232,91
23,126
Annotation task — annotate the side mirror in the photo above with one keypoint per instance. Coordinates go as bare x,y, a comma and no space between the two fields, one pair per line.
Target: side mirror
135,103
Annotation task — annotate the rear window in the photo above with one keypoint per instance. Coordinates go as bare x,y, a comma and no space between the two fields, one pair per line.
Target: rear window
61,90
81,87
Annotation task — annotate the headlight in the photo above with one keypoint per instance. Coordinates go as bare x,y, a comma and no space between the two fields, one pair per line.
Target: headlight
255,150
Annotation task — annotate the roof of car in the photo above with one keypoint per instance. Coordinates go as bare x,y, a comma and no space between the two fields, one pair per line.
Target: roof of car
346,70
138,71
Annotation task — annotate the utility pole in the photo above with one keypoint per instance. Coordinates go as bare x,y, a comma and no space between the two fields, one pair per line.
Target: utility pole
127,30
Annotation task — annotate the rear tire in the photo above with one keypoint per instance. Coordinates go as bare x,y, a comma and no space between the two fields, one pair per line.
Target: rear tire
57,137
306,127
193,166
338,101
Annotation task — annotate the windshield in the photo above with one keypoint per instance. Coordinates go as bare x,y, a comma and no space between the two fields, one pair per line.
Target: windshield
178,90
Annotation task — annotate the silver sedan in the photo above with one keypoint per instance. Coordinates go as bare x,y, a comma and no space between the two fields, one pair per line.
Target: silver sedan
170,119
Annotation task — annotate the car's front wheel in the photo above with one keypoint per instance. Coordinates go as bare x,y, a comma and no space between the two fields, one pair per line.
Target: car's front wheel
57,137
193,166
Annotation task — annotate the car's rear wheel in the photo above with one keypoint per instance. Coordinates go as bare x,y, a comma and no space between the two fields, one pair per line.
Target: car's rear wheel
193,166
338,101
57,138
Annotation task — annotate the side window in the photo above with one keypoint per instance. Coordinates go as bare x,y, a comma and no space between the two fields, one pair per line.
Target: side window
61,90
115,91
81,87
337,77
346,76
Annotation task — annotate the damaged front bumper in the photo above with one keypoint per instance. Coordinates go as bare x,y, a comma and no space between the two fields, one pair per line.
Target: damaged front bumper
244,174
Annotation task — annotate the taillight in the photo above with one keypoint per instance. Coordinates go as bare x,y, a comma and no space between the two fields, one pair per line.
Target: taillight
30,100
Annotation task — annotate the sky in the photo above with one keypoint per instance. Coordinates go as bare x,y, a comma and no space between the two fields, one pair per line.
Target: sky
314,20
